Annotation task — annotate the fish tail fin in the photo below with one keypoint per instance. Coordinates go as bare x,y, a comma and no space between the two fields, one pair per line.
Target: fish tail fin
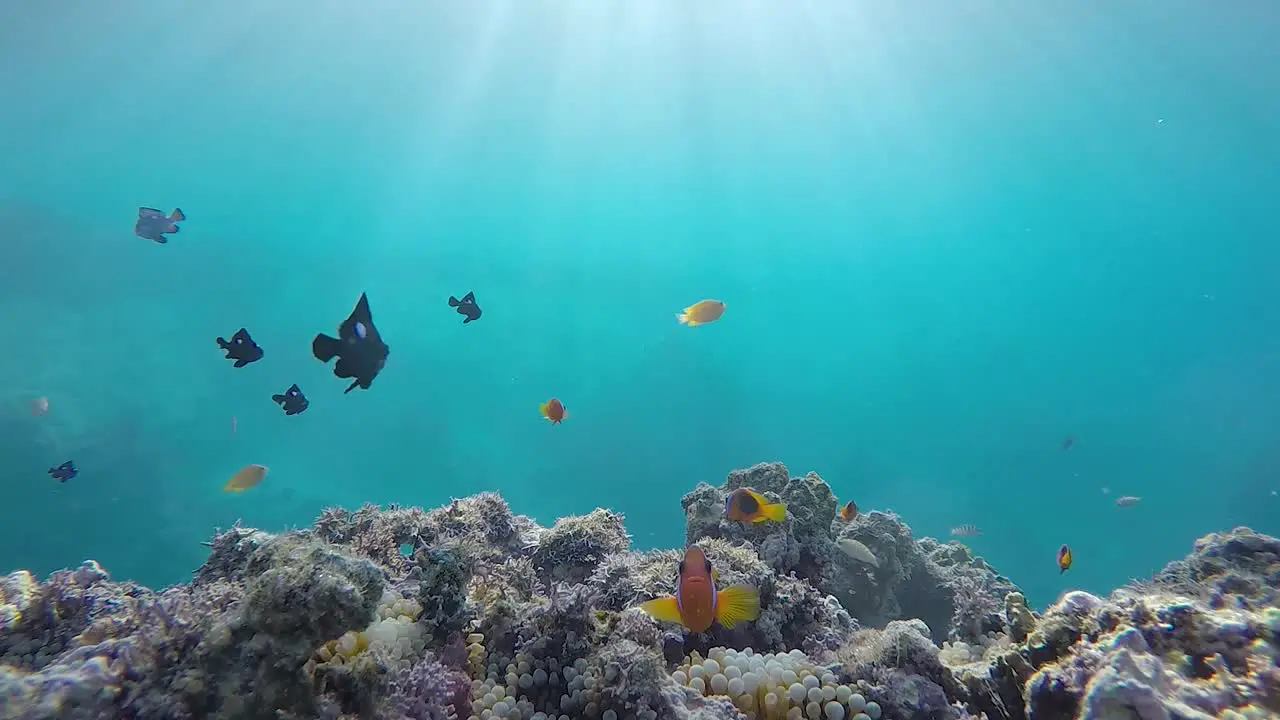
222,343
453,301
177,215
663,608
542,410
737,603
240,363
172,228
325,348
682,318
776,512
278,398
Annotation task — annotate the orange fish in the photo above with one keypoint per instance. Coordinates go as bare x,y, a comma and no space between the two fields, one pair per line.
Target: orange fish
553,410
747,505
849,511
701,313
1064,559
245,478
697,604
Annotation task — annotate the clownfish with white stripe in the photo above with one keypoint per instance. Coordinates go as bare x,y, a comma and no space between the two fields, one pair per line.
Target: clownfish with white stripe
697,603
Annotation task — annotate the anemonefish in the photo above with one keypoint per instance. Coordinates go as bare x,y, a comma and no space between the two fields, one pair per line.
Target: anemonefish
553,410
697,604
701,313
747,505
849,511
1064,559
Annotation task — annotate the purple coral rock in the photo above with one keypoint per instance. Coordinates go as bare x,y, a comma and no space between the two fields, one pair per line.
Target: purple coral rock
914,696
424,691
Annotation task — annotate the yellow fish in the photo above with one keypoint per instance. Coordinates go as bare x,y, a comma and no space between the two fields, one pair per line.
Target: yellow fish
701,313
245,478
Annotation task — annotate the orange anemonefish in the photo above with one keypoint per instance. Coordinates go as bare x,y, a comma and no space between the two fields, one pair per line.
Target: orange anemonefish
697,604
849,511
747,505
553,410
1064,559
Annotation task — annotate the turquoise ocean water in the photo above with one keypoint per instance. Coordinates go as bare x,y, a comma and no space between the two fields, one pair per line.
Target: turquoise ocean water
948,234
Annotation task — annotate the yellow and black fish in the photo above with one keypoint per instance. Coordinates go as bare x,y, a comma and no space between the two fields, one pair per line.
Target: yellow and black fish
747,505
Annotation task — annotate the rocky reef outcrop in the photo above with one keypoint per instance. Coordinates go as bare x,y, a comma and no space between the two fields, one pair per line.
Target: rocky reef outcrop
472,611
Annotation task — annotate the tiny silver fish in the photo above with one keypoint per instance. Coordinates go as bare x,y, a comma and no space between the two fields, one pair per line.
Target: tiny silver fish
1127,500
965,531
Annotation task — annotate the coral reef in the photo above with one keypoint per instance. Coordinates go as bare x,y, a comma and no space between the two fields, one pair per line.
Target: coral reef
471,611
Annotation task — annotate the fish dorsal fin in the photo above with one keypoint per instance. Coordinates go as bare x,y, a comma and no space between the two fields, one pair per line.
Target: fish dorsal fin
470,297
359,314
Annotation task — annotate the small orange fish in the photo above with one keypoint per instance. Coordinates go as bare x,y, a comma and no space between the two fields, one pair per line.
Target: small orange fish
849,511
1064,559
553,410
697,603
701,313
747,505
245,478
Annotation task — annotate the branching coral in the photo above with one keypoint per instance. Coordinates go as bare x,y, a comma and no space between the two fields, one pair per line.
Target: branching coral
429,690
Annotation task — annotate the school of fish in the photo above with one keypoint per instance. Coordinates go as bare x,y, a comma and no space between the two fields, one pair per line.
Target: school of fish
361,355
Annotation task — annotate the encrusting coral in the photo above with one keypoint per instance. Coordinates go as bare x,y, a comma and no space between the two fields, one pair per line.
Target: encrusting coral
470,611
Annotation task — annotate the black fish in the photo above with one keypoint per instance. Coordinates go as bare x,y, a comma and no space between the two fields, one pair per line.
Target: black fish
466,306
152,224
358,347
242,348
64,472
293,401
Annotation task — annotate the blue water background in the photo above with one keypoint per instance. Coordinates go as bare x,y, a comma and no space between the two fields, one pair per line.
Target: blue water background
948,235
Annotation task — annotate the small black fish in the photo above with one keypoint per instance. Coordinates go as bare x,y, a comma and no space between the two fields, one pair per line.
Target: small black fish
358,347
293,401
241,348
153,224
64,472
466,306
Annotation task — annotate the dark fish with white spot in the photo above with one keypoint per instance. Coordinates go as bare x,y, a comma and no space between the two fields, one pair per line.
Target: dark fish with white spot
64,472
359,348
466,307
241,348
153,224
292,400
